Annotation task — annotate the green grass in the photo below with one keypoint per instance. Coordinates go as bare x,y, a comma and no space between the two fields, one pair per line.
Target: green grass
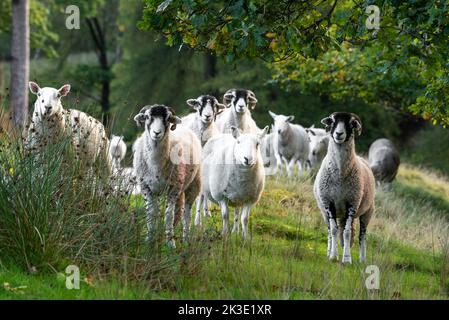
286,257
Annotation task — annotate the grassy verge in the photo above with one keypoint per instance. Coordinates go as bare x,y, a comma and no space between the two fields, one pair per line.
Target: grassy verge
285,258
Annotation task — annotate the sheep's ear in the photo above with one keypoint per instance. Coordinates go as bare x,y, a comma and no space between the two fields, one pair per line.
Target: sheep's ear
235,132
356,125
290,118
34,87
263,133
64,90
220,107
192,103
272,114
174,120
328,121
310,132
140,119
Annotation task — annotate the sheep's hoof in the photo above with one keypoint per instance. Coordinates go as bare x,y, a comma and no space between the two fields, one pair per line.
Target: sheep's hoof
333,258
346,259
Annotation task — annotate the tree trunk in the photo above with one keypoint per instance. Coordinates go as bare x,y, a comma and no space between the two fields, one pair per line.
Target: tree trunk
210,71
20,64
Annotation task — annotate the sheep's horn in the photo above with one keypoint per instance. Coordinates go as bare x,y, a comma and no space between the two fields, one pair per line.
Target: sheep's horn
252,99
144,108
226,99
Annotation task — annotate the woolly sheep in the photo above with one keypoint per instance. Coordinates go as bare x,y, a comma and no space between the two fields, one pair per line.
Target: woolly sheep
117,151
318,143
202,123
51,122
344,187
239,102
383,159
233,173
167,161
290,142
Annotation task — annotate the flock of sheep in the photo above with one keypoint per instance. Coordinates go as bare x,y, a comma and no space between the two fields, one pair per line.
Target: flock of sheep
218,153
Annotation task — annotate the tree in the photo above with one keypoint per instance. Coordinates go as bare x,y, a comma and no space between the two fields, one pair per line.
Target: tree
20,62
303,31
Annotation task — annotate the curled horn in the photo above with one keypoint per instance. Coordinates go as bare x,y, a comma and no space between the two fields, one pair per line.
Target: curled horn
227,97
356,124
252,99
144,108
172,118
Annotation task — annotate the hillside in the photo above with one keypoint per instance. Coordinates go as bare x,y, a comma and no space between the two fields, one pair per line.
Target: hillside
286,259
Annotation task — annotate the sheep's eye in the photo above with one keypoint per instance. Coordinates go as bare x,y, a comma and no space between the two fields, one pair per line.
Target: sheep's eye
38,94
238,141
257,145
58,95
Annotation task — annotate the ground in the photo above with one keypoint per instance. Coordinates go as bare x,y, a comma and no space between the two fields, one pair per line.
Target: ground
286,257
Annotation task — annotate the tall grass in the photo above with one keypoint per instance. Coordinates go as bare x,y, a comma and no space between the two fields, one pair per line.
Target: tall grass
54,212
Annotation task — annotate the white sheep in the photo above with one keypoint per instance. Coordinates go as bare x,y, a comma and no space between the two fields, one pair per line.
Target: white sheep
318,143
117,151
202,123
50,123
383,158
268,154
344,187
290,143
233,173
167,162
239,102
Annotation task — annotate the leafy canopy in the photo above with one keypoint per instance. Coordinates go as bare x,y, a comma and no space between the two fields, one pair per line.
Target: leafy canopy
403,63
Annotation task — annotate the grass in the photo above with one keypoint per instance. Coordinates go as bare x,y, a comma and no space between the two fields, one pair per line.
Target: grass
285,259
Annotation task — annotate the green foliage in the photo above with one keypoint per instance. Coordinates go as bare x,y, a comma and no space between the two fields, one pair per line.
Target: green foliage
408,53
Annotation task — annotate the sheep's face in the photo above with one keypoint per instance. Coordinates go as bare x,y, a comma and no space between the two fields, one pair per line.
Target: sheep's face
318,146
247,148
281,123
240,99
157,119
48,100
207,107
343,126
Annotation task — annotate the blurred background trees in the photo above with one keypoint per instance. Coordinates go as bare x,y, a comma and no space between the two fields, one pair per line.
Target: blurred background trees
306,58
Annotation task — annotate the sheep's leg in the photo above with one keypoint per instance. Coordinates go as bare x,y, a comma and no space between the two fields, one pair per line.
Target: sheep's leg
206,211
347,234
198,210
300,167
245,218
152,206
364,220
224,217
332,233
186,222
290,166
169,220
236,227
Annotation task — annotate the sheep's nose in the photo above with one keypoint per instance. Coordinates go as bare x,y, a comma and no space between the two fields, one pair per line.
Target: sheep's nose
246,160
314,152
279,131
339,134
48,108
156,132
207,116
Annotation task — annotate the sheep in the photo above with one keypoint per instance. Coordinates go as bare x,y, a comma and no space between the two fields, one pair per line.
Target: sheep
318,143
167,161
268,154
50,123
202,123
239,102
290,142
384,160
344,187
233,173
117,151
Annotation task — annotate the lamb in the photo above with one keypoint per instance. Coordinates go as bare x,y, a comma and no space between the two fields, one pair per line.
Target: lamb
318,143
117,151
239,102
233,173
344,187
202,123
383,159
167,161
290,142
51,123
